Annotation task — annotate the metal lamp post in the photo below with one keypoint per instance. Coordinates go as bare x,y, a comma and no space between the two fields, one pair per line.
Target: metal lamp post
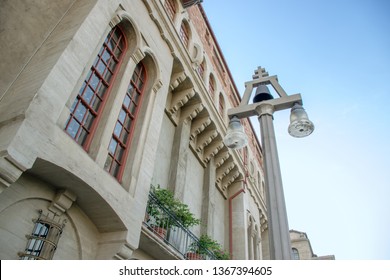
263,106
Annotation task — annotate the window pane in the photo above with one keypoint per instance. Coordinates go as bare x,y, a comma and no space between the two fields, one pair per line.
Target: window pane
117,129
73,128
124,136
128,122
82,137
80,112
106,56
89,120
112,64
107,164
95,104
117,52
41,230
107,76
88,94
119,153
76,101
136,97
126,102
94,81
122,116
100,67
110,44
140,84
101,90
112,146
114,169
132,108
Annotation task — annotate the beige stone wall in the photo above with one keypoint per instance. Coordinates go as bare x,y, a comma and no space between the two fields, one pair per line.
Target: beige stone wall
177,139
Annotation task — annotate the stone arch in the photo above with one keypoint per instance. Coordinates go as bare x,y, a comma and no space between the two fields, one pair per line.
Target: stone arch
130,29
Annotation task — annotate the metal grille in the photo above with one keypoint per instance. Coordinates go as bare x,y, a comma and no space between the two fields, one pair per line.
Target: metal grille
42,242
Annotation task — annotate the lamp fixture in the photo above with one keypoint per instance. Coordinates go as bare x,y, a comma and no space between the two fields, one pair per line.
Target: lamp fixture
300,125
236,137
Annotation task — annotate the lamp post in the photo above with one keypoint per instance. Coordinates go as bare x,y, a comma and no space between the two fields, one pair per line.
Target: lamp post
263,106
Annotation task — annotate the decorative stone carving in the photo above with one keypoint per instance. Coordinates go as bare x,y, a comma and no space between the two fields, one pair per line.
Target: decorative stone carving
224,170
10,171
190,111
205,138
221,158
180,98
62,201
137,56
177,79
212,149
198,125
229,179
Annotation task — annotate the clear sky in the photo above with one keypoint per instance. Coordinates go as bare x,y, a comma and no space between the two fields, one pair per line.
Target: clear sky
337,55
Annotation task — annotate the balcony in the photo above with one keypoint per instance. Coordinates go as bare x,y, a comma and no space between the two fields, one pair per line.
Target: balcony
164,236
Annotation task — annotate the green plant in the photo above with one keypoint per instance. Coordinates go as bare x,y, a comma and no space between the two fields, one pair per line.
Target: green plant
179,210
206,245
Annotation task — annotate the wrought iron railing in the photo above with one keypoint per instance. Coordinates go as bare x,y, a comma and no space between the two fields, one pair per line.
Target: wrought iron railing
164,223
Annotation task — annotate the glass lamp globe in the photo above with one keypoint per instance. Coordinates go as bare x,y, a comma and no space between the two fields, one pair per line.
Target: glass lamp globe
300,125
235,136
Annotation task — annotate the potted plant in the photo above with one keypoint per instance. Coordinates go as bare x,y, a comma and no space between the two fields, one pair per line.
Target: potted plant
160,220
205,246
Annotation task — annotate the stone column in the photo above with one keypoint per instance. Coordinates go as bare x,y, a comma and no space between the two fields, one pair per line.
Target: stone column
208,199
279,237
238,222
180,150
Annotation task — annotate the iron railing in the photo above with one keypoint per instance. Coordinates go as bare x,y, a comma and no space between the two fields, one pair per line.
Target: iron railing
164,223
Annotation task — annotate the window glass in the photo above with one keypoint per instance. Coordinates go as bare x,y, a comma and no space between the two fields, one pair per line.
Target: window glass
87,105
124,127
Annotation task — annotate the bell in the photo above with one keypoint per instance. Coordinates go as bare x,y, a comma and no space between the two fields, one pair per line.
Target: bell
262,93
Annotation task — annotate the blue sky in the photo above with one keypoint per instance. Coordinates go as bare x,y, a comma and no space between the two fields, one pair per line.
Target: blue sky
337,55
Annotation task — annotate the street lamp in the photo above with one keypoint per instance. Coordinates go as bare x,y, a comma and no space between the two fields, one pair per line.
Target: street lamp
263,106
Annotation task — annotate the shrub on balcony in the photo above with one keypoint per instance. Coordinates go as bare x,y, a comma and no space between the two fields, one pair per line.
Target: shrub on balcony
207,245
179,210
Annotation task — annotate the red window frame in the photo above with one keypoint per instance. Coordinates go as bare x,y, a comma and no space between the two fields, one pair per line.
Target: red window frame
170,8
201,69
211,85
124,128
221,105
89,103
184,34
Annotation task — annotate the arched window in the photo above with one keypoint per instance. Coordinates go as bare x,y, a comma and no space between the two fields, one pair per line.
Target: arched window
184,34
295,254
201,68
121,137
170,7
221,105
88,105
211,85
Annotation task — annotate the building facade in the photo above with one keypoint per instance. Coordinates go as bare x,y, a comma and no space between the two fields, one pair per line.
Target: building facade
99,101
301,247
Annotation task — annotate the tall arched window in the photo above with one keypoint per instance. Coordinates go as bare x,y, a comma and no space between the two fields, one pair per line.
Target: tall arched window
221,105
170,7
88,105
184,34
295,254
211,85
201,68
124,127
